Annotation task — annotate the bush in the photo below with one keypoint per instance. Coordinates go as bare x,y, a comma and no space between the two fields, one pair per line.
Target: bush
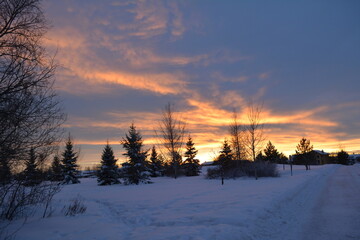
213,173
264,169
17,200
246,168
75,207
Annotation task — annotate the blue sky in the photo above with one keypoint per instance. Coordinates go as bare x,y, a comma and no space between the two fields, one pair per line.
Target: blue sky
123,61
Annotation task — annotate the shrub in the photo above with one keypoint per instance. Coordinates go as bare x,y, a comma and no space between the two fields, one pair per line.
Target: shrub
75,207
246,168
17,200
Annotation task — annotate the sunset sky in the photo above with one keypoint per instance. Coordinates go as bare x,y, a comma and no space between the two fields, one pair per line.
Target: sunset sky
123,61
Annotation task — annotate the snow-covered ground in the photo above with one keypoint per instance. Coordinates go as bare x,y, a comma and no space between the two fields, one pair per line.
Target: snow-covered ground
323,203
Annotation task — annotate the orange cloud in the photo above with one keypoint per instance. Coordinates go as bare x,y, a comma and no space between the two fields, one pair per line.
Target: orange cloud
301,117
164,83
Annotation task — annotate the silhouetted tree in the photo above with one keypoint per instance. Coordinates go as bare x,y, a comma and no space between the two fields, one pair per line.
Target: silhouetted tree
56,170
135,169
191,165
70,167
225,159
254,132
30,115
260,157
108,173
32,175
171,133
302,150
271,153
156,165
343,157
237,139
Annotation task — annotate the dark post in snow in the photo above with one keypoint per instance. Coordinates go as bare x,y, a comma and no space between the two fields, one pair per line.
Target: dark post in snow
291,160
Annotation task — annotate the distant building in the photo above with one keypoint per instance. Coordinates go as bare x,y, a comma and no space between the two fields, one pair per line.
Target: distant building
319,157
208,163
315,157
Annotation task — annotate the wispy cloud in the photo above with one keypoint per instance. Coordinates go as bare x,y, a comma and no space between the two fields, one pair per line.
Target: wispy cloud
153,18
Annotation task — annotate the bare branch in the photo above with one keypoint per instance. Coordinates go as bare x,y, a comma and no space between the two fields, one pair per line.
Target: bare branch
171,134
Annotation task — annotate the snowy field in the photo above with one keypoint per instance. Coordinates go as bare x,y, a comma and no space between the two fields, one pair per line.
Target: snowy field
323,203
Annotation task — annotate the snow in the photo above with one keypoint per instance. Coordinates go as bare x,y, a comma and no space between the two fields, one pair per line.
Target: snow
303,206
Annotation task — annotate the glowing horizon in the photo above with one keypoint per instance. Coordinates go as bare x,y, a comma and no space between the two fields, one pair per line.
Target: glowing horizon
123,61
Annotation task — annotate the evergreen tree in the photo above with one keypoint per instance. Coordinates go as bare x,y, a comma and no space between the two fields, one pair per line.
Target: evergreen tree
271,153
260,156
135,170
224,159
175,165
302,150
191,165
108,173
343,157
156,165
282,158
31,173
56,170
70,167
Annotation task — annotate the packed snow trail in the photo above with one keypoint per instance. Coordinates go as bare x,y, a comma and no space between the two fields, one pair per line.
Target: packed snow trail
336,214
325,207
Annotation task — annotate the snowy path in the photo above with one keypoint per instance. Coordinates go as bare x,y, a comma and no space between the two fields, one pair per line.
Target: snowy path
319,204
325,207
336,214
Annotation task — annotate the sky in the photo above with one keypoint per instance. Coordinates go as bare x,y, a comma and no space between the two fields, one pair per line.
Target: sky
121,62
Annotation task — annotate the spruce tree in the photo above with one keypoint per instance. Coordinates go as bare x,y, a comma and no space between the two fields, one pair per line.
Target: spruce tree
135,170
191,165
156,166
260,156
70,167
271,153
31,173
224,160
56,170
343,157
108,173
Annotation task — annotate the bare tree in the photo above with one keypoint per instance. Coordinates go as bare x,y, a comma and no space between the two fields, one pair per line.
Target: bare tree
236,131
30,115
171,134
254,132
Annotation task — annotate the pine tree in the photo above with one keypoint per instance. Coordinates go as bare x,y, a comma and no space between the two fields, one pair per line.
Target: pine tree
191,165
156,166
224,159
70,167
31,173
271,153
56,170
108,173
260,156
343,157
135,170
302,150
